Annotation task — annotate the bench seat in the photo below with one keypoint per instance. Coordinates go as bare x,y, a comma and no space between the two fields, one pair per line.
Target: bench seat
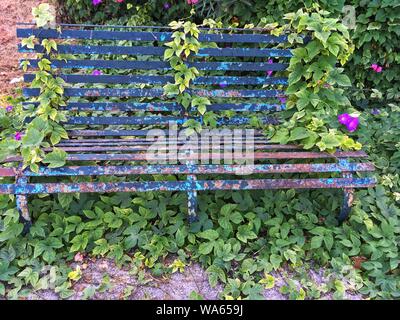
110,115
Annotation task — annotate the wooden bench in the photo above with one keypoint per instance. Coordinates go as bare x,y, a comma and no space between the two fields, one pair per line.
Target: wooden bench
114,144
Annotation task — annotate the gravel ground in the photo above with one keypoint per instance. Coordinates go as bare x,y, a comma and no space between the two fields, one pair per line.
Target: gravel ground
123,284
13,11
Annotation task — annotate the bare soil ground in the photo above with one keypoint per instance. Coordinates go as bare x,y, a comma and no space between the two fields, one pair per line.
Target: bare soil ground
11,12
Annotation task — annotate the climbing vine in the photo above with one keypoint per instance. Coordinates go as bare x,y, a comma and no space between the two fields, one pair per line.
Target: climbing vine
38,125
184,44
315,91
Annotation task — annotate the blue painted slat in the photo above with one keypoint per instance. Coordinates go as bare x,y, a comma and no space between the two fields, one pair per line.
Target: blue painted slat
198,169
110,133
159,51
199,185
161,120
163,106
145,36
152,79
161,65
84,92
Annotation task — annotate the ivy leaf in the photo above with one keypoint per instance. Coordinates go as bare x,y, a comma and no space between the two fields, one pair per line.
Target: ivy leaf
206,247
209,235
32,138
336,77
245,233
313,48
56,158
298,133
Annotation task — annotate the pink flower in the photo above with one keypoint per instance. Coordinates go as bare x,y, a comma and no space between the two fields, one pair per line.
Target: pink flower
96,2
352,124
9,108
96,73
120,1
377,68
18,136
192,2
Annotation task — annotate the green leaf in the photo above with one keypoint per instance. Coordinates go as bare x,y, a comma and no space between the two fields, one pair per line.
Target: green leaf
206,247
245,233
56,158
298,133
209,234
32,138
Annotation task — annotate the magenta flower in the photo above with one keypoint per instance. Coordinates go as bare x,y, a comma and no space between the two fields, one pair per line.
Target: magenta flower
192,2
96,73
96,2
344,118
18,136
9,108
352,124
377,68
167,6
269,72
120,1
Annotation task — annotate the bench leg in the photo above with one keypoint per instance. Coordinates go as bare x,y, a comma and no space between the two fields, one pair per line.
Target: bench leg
192,202
22,206
24,216
348,197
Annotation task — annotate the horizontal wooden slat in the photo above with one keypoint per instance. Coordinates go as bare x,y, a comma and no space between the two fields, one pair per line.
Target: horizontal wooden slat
128,79
159,51
170,147
117,92
144,36
199,185
160,120
192,169
160,65
163,106
211,156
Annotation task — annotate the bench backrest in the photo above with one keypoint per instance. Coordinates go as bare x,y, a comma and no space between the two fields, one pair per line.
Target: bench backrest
235,76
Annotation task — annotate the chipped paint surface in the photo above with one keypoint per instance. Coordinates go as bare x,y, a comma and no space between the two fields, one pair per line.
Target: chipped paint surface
260,93
199,185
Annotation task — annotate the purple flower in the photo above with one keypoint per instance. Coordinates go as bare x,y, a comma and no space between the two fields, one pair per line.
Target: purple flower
223,84
375,111
344,118
96,73
96,2
269,72
282,99
167,6
18,136
352,124
9,108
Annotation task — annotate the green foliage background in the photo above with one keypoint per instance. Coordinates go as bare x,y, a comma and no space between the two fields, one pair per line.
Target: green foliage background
242,236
